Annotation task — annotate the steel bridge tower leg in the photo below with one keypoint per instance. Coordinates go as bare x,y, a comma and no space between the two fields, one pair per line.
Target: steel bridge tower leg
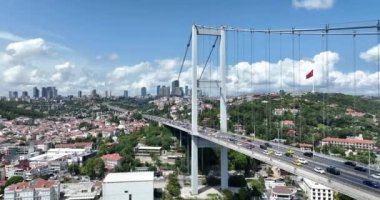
194,113
223,110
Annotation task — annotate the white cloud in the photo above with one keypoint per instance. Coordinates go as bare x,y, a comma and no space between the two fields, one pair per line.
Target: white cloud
63,72
113,56
313,4
371,54
9,36
26,48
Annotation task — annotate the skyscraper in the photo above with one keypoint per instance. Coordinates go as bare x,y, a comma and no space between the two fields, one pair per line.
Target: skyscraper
44,92
79,94
143,91
36,92
10,94
93,92
158,90
24,94
15,94
125,93
175,87
106,94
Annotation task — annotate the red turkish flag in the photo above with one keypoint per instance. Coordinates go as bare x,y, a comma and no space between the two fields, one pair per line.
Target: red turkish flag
309,75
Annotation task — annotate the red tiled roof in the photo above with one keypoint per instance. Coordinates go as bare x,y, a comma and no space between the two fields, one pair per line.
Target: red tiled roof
36,183
114,157
78,145
348,140
305,145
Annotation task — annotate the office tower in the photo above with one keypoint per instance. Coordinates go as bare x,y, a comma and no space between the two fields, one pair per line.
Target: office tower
93,92
143,91
125,93
15,94
24,94
106,94
79,94
55,92
10,94
158,90
167,91
36,92
187,90
44,92
175,87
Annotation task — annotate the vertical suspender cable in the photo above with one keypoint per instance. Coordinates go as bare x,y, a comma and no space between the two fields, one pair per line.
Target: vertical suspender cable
269,85
300,89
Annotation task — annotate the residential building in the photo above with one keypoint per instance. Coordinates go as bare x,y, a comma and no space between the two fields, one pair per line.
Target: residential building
316,191
128,186
282,193
147,150
305,147
35,189
111,160
82,190
357,143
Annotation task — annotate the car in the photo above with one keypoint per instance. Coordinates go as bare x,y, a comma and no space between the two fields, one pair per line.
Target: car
288,154
268,145
360,168
373,184
319,170
308,154
290,151
376,176
266,152
303,161
277,153
270,152
250,146
263,146
333,170
297,163
350,163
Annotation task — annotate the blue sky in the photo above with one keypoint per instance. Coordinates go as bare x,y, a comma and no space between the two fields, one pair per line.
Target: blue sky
98,37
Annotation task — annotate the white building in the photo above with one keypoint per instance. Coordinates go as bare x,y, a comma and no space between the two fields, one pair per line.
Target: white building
357,143
315,191
81,190
282,193
128,186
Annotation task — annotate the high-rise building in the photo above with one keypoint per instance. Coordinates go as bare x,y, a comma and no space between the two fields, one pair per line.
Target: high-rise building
79,94
175,85
187,90
143,91
106,94
15,94
44,92
36,92
125,93
55,92
93,92
24,94
10,94
158,90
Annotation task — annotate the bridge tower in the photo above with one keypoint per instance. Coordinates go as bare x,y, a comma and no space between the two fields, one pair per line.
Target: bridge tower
221,85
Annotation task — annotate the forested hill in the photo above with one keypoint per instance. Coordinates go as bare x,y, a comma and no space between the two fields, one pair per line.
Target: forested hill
11,110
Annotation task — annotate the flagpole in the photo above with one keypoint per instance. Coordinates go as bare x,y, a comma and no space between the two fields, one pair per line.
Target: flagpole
313,84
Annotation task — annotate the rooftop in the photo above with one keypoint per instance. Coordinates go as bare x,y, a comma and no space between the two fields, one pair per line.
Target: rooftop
348,140
114,157
282,190
312,184
128,177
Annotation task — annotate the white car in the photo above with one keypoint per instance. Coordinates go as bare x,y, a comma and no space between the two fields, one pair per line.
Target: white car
319,170
303,161
266,152
376,176
278,153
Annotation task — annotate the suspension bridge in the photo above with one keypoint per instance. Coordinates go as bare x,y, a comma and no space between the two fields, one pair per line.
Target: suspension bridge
349,182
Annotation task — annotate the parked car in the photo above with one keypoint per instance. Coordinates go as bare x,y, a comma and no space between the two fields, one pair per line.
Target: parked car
333,170
350,163
359,168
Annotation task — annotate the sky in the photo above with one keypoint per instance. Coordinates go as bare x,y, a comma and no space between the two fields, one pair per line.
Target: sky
124,45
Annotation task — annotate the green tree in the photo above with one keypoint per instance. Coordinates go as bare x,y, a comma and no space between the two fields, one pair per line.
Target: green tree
227,194
257,187
74,169
94,168
13,180
243,194
173,186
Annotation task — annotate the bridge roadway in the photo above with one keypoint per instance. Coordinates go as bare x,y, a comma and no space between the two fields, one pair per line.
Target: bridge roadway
349,182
